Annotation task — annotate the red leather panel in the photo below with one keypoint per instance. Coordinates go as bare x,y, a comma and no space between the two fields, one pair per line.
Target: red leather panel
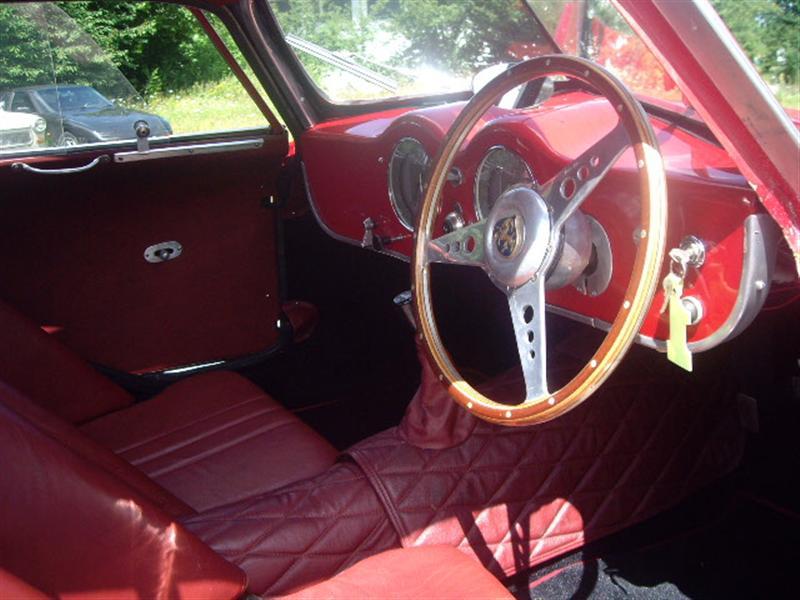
515,497
13,587
68,528
71,255
434,572
432,419
213,439
68,436
302,534
304,318
41,368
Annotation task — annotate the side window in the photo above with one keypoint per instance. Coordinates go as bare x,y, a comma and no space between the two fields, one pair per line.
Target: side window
21,103
81,73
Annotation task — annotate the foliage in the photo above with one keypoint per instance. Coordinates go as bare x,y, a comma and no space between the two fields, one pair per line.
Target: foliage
160,47
155,46
327,23
769,32
460,37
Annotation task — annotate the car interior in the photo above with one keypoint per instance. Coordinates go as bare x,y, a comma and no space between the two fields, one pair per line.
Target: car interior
535,339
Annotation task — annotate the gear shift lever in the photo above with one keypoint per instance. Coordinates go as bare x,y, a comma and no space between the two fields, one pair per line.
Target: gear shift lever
403,301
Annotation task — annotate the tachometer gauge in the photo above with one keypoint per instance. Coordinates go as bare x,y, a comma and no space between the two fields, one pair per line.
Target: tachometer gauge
406,176
499,170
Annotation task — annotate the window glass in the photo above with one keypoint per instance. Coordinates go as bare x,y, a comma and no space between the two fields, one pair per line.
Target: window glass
767,30
77,73
371,49
594,29
769,33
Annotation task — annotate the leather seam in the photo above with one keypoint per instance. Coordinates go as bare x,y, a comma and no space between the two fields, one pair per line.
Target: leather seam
383,494
203,435
212,451
205,417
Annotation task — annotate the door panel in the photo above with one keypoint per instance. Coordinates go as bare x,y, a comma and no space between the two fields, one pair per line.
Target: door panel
72,255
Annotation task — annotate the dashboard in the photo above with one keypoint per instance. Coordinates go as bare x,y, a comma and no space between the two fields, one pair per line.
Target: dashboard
365,178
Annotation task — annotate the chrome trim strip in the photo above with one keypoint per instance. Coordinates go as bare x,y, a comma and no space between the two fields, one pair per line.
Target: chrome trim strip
476,180
392,196
191,368
761,235
189,150
331,232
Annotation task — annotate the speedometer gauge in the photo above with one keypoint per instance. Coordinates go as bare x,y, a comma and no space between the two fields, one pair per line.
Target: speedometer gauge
406,176
499,170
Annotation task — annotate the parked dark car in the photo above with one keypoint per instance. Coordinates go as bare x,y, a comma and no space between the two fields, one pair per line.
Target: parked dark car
79,114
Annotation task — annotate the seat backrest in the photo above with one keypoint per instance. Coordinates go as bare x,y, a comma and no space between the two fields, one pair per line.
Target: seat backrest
84,447
69,527
53,376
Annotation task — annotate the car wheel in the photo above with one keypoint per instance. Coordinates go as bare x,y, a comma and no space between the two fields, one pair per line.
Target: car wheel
67,139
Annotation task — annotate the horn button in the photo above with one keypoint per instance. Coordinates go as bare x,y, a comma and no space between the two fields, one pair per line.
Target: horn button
518,243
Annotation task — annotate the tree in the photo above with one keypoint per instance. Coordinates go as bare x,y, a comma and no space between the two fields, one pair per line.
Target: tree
769,32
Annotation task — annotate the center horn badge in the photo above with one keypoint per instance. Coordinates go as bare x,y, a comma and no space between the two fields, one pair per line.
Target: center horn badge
506,236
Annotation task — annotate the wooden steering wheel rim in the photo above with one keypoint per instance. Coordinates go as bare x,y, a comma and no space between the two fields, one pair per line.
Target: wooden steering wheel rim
649,256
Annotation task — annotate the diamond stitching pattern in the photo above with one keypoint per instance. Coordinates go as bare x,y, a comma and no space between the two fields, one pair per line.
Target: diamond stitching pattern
514,497
305,532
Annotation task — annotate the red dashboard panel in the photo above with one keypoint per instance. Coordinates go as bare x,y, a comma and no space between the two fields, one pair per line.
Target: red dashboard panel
347,175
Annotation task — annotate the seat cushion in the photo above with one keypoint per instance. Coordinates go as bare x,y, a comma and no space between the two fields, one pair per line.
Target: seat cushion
433,572
69,528
213,439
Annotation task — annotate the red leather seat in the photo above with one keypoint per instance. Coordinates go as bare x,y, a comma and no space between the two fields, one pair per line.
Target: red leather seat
70,527
213,439
210,439
432,572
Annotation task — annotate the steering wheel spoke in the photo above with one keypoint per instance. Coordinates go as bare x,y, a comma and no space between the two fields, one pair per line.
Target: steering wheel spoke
527,307
463,246
515,246
572,185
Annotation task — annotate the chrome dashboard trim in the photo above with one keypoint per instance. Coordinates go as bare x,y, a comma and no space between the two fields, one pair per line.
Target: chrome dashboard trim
389,169
761,236
476,180
331,232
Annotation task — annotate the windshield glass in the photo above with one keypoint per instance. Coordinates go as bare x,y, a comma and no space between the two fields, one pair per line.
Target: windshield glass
373,49
74,98
367,50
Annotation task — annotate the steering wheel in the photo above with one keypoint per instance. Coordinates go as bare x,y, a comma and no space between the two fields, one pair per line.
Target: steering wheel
521,243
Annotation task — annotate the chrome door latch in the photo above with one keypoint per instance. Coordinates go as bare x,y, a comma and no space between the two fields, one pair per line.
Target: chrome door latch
142,130
163,252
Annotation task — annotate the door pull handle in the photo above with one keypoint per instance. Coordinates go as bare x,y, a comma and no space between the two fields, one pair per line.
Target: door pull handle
21,166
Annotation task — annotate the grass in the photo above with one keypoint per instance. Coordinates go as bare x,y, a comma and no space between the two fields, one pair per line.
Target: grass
788,95
214,106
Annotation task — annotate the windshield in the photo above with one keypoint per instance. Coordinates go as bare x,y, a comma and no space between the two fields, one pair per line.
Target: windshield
373,49
360,50
73,98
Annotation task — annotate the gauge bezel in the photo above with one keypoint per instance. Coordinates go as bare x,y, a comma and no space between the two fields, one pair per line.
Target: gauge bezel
392,196
476,204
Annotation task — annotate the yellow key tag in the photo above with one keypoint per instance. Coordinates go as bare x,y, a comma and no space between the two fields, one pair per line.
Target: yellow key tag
677,347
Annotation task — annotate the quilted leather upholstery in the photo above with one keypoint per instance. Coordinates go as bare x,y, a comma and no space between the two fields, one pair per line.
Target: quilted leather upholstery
302,534
213,439
515,497
433,572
